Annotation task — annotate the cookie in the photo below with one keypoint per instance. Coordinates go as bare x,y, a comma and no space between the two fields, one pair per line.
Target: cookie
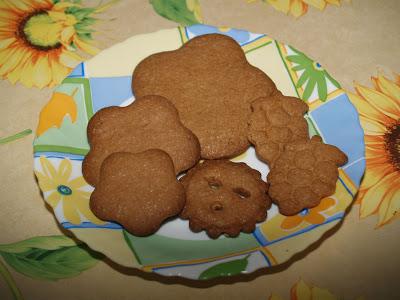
275,122
305,173
149,122
211,84
139,191
223,197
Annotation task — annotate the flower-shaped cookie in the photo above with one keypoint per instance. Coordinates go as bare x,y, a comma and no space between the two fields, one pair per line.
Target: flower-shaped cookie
223,197
151,122
211,84
139,191
305,173
275,122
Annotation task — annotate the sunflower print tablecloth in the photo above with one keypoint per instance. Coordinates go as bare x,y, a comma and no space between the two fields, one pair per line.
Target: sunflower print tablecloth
42,41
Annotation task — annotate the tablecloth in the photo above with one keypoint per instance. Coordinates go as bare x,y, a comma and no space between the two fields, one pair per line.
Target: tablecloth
42,40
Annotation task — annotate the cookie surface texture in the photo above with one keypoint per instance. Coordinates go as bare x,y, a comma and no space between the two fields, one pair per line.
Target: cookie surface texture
275,122
305,173
139,191
212,85
149,122
223,197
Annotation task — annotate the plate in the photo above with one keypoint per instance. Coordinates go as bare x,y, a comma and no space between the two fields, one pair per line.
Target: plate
105,80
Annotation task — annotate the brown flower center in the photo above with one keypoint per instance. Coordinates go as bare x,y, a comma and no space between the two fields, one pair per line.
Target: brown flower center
392,144
39,31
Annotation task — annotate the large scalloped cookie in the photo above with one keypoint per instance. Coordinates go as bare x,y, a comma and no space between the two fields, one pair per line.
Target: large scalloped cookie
211,84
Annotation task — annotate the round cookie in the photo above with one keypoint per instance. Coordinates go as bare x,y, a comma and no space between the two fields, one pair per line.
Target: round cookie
275,122
139,191
223,197
149,122
211,84
304,173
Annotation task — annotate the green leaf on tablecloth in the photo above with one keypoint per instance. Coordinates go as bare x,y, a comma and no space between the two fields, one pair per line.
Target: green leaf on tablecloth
185,12
229,268
50,258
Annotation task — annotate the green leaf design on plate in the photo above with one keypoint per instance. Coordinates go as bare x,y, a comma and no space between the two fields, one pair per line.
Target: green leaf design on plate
185,12
313,75
229,268
50,258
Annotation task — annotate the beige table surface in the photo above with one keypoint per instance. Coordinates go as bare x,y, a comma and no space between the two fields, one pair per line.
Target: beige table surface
353,41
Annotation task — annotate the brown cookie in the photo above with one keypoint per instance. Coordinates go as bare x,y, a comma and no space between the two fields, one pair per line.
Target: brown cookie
275,122
305,173
139,191
212,85
150,122
224,197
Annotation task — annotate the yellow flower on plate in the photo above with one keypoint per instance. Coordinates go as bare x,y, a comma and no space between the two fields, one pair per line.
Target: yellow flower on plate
39,40
61,188
298,8
379,110
304,291
311,216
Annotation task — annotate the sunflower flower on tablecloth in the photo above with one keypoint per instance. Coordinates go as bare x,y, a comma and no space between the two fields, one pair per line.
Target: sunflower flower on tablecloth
42,40
298,8
379,110
304,291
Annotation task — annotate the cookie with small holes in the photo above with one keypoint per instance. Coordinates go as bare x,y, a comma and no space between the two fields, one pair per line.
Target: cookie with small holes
223,197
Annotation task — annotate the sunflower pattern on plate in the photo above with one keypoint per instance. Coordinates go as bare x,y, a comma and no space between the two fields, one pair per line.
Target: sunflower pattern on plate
379,110
41,41
298,8
304,291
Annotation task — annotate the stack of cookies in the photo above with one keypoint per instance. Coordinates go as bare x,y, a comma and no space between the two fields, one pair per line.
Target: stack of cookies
204,101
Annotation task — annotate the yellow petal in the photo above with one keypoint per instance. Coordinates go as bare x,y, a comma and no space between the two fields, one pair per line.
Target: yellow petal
48,169
61,6
27,74
390,206
53,199
77,183
275,297
64,171
374,196
6,42
70,59
320,4
82,205
19,56
388,87
67,34
322,294
70,211
300,291
86,47
367,110
281,5
380,101
15,74
45,183
298,8
58,71
6,54
334,2
374,140
42,72
18,4
57,16
372,127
